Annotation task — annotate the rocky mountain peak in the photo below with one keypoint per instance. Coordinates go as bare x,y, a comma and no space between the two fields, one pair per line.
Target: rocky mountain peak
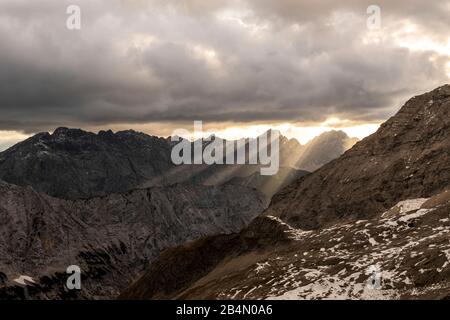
72,163
107,133
63,133
324,148
421,117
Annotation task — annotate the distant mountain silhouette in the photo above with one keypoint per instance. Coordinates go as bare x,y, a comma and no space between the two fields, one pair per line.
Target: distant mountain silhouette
324,148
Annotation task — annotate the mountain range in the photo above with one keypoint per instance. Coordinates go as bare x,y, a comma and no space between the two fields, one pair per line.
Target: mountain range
110,203
75,164
372,224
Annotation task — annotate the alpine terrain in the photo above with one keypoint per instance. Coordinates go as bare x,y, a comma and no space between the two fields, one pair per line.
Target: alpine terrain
372,224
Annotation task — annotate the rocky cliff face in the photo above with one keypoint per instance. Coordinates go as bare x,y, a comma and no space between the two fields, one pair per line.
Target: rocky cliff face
111,238
408,157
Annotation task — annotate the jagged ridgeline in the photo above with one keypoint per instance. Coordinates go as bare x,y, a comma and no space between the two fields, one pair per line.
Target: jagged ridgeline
74,164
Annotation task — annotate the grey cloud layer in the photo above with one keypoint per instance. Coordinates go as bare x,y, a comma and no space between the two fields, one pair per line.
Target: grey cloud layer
142,61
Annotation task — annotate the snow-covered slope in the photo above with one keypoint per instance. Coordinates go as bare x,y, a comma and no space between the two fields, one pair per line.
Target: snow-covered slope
402,253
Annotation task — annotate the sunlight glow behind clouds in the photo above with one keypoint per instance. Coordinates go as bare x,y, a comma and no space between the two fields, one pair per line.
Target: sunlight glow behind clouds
9,138
302,133
209,56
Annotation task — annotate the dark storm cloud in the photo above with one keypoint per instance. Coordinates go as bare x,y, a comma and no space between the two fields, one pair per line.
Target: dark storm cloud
140,61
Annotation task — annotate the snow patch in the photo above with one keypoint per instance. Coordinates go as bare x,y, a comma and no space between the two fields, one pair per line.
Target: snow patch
410,205
261,266
24,280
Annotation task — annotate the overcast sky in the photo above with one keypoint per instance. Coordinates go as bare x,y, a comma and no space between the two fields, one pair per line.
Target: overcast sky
156,65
